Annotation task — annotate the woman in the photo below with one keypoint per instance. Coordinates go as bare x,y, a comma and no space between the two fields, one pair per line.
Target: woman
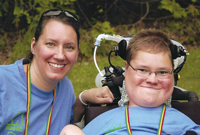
149,82
36,97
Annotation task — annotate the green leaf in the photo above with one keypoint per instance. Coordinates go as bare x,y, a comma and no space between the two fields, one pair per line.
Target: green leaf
174,8
5,6
193,11
194,1
100,10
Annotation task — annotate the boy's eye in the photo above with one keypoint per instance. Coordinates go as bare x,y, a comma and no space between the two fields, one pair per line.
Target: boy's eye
142,70
162,72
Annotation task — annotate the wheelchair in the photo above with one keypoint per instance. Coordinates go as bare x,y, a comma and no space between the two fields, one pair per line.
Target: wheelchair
112,76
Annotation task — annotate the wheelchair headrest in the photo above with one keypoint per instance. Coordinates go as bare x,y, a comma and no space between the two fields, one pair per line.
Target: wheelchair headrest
178,54
177,50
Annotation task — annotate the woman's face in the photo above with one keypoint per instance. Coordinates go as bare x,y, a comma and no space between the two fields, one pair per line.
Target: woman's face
150,91
55,52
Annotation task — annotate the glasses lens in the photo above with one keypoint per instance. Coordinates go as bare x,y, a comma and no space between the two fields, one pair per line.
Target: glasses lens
143,73
70,15
163,74
159,74
58,12
52,13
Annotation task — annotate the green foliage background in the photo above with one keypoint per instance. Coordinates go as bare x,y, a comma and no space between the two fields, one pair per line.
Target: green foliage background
179,19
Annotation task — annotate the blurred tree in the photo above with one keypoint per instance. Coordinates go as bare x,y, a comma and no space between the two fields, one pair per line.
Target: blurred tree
18,19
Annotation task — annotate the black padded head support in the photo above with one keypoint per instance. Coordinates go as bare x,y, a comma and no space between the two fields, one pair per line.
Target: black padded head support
122,49
176,51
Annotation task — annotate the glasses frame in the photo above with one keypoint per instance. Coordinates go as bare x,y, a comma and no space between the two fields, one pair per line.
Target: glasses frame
149,72
57,12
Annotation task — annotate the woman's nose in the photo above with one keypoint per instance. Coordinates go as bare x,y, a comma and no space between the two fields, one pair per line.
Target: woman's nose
60,55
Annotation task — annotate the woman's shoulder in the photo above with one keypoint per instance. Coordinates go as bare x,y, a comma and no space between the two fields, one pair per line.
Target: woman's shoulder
11,69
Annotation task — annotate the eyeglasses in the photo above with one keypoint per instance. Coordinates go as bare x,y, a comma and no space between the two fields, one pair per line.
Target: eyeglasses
55,12
145,73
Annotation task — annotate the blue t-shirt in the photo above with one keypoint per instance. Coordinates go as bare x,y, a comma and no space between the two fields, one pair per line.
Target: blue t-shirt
13,99
143,121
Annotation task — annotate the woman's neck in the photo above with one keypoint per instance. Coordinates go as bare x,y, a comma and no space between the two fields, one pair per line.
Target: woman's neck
39,82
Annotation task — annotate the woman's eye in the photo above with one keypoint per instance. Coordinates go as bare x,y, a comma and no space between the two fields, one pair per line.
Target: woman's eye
70,47
50,44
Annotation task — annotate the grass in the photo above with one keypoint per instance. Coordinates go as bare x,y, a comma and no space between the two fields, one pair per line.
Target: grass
190,73
83,74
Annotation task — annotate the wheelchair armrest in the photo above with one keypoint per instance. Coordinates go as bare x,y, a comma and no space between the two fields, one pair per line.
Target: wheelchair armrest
191,109
190,133
181,94
92,112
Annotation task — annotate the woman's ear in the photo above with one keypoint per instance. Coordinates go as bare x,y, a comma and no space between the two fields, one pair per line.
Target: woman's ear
33,45
77,56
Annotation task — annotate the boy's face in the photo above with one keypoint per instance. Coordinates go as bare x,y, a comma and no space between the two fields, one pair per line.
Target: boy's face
149,91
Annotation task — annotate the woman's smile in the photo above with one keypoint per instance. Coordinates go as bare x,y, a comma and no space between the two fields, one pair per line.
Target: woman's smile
57,65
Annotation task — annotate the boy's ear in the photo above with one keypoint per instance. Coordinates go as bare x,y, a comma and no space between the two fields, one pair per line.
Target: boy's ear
126,65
